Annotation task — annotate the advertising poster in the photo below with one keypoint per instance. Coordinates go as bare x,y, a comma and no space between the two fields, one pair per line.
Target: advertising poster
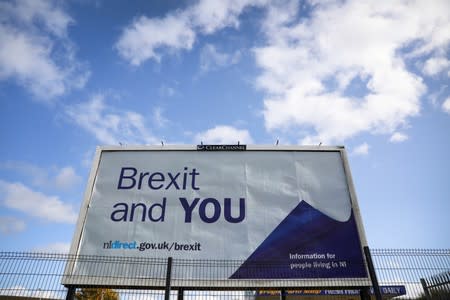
284,214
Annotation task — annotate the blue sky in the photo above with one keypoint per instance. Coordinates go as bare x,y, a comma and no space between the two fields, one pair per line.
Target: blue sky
373,76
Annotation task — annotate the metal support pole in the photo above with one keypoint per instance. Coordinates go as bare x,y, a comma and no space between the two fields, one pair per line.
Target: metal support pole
283,294
180,295
373,275
425,289
168,278
364,293
70,292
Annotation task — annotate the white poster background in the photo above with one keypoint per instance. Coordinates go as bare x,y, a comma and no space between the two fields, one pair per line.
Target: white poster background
273,184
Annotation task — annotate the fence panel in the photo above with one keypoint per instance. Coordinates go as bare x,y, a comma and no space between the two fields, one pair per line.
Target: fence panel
407,267
402,273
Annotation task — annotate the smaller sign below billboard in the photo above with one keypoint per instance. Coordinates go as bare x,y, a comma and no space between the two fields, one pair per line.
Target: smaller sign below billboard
387,291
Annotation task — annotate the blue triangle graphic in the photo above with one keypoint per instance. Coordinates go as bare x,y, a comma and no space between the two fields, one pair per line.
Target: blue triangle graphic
307,231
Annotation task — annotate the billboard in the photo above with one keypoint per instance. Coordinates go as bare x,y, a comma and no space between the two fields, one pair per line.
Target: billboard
292,206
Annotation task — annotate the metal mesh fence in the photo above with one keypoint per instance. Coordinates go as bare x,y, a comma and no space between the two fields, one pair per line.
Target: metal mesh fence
417,270
402,274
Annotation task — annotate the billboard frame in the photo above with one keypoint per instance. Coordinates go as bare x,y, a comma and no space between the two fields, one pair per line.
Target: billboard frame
69,280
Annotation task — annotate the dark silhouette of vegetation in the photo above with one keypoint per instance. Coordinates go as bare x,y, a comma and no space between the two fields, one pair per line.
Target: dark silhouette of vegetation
96,294
437,295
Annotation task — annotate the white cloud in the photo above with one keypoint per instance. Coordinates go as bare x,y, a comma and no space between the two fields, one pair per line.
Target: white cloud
398,137
9,225
436,65
35,49
140,40
108,124
88,158
446,105
212,59
224,135
158,117
146,38
19,197
38,176
434,96
342,42
46,13
67,178
209,16
58,247
167,91
362,150
63,178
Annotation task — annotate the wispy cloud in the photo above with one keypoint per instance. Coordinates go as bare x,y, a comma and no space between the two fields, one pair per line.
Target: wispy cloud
158,117
436,65
212,59
148,38
64,178
361,150
108,124
224,135
10,225
398,137
35,49
50,208
446,105
309,64
167,91
58,247
141,39
88,157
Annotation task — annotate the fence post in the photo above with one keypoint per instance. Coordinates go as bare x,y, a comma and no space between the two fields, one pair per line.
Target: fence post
283,294
373,275
168,278
425,289
364,293
70,292
180,294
